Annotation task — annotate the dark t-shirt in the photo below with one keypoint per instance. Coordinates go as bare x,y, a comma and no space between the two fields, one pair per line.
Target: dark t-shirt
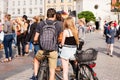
58,26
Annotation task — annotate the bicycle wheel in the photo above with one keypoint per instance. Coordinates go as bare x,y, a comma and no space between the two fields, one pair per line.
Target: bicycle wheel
40,74
85,73
43,74
59,75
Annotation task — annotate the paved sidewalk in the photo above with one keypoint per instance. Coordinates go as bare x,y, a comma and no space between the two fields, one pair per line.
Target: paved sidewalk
24,75
107,68
27,75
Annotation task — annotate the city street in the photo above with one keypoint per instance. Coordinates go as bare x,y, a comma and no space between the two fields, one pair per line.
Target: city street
107,68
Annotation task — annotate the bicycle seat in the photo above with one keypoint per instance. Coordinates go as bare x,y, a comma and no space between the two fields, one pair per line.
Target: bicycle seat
46,52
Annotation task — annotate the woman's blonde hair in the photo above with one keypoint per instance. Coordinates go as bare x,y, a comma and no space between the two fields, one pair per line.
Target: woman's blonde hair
69,24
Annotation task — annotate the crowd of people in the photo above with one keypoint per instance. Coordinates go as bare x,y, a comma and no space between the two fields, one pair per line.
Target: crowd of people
58,29
17,32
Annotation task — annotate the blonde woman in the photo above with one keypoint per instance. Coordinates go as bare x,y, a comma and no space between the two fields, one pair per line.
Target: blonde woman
69,42
18,33
8,37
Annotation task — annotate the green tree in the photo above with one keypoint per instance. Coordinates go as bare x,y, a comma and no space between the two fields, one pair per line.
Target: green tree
88,15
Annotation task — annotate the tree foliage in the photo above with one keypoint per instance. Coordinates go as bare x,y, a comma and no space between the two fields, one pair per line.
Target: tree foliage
88,15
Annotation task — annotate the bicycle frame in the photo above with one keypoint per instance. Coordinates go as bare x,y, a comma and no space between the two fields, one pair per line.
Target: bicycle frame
82,67
43,72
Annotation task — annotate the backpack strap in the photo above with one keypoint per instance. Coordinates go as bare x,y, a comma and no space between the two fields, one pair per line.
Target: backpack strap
45,22
54,23
69,33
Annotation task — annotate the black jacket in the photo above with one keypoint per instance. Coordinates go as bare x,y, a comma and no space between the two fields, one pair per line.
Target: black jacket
31,34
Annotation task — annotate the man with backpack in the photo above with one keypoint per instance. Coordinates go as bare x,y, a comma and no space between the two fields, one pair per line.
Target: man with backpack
46,34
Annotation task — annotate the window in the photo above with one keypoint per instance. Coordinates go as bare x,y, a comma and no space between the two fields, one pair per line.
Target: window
30,2
18,3
13,3
62,8
48,1
35,2
7,3
54,1
30,10
62,1
35,10
69,0
41,2
40,10
13,11
18,11
24,2
24,11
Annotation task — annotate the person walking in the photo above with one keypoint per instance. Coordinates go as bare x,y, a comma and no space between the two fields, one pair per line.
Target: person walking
81,32
20,40
31,34
110,33
8,38
49,45
69,42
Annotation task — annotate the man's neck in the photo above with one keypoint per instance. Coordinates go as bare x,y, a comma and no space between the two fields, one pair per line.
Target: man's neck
51,19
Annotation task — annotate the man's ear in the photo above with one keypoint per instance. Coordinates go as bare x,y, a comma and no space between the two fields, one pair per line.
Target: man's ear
55,16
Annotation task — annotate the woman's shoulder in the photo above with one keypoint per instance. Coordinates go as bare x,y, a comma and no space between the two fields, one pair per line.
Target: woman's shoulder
67,30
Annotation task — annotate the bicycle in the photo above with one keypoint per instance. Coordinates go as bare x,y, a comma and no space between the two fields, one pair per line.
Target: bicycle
43,72
85,64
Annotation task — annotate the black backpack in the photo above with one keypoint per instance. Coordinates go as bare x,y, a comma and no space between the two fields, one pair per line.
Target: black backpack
48,37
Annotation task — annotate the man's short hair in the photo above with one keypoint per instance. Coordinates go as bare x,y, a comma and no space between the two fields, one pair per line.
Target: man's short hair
25,17
51,12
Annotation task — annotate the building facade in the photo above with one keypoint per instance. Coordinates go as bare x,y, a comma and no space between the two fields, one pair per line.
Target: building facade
39,7
60,5
25,7
3,8
36,7
102,12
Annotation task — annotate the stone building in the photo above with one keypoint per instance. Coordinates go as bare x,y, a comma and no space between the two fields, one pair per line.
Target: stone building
27,7
102,12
